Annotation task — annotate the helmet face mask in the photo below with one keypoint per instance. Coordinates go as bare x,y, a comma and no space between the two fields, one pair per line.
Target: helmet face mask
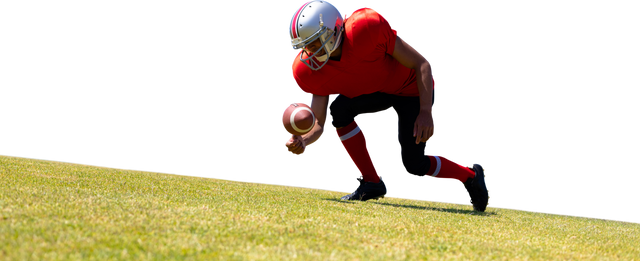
308,25
313,59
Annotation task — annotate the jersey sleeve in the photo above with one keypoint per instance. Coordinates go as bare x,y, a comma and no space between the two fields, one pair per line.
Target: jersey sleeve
294,77
370,29
307,81
386,35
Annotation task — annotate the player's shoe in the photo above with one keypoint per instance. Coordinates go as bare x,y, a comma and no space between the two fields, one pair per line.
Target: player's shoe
367,191
477,189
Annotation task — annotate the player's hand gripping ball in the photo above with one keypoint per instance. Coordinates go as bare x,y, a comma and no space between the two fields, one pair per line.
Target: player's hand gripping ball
298,119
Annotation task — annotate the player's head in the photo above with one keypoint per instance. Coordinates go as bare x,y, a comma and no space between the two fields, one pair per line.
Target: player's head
317,25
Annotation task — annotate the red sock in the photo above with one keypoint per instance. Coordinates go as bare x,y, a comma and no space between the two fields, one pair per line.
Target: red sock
353,140
444,168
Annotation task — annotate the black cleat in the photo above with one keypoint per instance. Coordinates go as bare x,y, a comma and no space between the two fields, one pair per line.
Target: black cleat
478,189
367,191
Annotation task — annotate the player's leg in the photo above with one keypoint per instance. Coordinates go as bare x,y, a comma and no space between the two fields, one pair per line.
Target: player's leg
343,114
416,162
414,158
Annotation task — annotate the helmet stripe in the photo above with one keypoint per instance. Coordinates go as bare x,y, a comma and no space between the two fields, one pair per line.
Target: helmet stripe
294,29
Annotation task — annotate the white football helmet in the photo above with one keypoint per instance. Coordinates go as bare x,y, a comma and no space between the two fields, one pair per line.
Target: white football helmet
316,20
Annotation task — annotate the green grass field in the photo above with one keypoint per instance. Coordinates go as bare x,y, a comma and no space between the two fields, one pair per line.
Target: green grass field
60,211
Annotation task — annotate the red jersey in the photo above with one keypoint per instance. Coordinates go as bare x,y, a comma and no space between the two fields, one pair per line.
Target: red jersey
366,65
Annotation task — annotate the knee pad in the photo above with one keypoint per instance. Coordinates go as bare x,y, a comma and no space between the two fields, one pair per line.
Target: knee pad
340,110
414,173
418,166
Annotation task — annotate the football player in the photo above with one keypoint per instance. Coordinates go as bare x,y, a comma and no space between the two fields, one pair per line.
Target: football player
363,60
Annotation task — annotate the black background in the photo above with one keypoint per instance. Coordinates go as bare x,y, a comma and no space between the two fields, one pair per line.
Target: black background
198,88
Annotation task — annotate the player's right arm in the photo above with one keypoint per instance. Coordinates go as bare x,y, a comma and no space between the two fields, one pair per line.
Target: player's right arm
319,105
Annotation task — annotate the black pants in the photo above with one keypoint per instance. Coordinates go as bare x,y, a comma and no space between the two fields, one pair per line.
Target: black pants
344,110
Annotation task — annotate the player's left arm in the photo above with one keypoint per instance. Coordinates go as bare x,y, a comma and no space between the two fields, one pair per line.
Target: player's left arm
410,58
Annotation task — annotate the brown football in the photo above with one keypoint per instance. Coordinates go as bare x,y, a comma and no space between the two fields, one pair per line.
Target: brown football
298,119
